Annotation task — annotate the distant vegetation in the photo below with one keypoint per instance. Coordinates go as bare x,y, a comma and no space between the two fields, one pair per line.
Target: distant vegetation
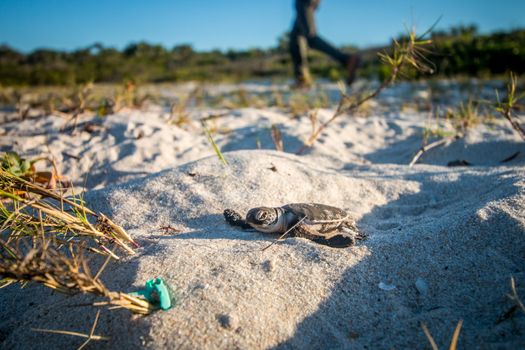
459,51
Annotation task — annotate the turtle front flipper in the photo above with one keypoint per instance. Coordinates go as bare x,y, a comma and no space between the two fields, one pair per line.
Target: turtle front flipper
235,219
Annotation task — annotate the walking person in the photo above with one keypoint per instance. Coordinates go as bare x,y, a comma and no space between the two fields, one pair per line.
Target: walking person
304,35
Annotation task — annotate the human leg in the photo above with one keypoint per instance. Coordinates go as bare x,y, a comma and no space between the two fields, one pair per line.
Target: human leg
299,53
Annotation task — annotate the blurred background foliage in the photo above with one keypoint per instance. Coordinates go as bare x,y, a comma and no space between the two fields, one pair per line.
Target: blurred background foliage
459,51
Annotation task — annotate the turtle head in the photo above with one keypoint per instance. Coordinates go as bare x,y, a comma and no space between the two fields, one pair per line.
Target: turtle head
264,219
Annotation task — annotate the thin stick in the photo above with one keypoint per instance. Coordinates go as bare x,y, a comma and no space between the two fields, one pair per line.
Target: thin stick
90,333
284,234
75,334
434,144
102,267
454,341
429,337
515,125
515,296
342,109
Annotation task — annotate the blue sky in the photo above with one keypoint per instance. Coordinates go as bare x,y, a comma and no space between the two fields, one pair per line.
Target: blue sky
239,24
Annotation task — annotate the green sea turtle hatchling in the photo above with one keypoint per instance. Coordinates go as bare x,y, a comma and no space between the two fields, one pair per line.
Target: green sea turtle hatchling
320,223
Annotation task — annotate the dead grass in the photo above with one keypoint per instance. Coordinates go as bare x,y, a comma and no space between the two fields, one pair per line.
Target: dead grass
44,236
510,104
91,336
28,209
66,273
409,54
453,341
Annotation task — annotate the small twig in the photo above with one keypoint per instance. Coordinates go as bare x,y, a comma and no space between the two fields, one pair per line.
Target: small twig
507,113
455,337
76,334
453,341
429,337
342,109
514,296
432,145
277,138
90,333
71,155
91,336
511,157
284,234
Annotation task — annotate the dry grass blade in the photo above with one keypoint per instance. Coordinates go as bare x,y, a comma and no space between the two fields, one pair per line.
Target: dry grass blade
455,337
91,336
277,138
514,296
75,334
284,234
453,341
34,210
213,144
68,274
429,337
506,107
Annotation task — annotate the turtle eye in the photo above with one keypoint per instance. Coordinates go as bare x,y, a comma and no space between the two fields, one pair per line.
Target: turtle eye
261,215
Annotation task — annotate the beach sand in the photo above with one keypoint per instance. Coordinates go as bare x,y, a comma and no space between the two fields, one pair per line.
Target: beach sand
443,242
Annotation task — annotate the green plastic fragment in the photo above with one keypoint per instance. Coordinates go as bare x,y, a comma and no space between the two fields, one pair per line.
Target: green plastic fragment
157,293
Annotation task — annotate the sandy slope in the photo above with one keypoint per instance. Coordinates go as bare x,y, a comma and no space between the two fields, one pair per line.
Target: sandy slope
457,232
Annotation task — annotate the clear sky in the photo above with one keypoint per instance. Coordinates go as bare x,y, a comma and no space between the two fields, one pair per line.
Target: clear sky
239,24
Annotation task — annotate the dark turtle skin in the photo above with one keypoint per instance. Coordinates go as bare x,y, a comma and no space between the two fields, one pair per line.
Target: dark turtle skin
320,223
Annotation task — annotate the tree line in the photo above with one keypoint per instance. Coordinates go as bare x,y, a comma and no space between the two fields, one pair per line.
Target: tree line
457,51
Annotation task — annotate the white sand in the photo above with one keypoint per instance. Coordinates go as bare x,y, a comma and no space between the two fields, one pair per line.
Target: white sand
448,239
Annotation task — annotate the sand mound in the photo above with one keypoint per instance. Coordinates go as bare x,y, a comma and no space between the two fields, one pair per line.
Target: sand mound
443,243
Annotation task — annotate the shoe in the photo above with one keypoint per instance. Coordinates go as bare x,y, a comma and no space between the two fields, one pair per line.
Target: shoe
351,66
303,83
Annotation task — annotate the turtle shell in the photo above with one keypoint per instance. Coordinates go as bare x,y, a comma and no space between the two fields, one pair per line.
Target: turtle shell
319,217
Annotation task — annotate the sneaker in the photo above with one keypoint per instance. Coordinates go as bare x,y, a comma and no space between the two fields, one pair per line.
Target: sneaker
351,66
303,83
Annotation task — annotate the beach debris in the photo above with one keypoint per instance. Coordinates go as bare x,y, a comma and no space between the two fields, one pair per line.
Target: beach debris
386,287
156,292
227,321
268,266
421,286
320,223
273,168
459,162
511,157
167,230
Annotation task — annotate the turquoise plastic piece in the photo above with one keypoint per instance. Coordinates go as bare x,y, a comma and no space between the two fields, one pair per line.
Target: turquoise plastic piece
157,293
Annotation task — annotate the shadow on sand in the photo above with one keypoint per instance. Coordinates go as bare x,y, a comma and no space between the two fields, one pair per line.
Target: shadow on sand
466,262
